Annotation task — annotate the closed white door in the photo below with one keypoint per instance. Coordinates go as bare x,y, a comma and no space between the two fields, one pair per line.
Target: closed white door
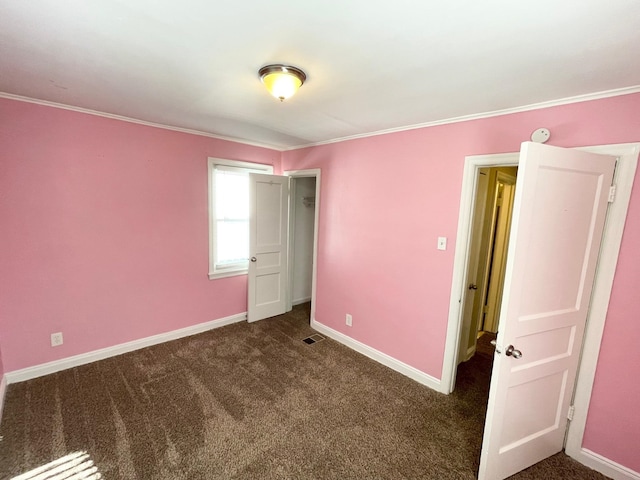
559,214
268,228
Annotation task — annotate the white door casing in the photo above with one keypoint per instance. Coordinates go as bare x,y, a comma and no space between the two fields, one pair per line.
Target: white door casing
316,173
559,215
268,247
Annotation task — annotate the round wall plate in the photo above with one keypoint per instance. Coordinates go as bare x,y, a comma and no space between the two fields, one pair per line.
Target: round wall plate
541,135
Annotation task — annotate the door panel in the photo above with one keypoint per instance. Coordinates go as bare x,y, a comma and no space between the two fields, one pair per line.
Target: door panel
559,212
268,228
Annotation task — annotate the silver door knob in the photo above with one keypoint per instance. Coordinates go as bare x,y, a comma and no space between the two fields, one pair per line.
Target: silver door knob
254,259
512,352
473,286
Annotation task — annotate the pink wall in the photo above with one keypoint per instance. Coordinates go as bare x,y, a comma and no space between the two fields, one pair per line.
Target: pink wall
386,199
104,237
104,232
613,425
2,383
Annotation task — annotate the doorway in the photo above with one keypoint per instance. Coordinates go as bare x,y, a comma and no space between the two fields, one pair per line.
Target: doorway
302,213
491,223
303,238
490,229
271,226
627,155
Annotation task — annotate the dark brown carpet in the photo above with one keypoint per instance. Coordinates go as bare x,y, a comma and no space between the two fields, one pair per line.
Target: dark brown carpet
483,345
253,401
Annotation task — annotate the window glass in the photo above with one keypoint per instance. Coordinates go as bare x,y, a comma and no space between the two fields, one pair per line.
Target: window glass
232,217
229,215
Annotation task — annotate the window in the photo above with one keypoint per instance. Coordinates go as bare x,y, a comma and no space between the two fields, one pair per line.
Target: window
229,215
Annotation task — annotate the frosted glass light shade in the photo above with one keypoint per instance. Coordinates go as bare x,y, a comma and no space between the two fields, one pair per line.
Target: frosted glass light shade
282,81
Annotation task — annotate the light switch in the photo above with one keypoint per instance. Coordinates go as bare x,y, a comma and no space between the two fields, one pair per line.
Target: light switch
442,243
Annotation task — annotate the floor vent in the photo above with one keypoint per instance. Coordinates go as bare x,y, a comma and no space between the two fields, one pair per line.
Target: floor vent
313,339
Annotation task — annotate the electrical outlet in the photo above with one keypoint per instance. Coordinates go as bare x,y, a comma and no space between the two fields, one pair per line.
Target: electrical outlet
56,339
349,319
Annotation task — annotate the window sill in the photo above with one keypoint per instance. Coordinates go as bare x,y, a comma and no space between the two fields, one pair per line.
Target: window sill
233,273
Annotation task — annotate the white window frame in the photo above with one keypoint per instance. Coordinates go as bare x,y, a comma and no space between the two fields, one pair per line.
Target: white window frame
214,272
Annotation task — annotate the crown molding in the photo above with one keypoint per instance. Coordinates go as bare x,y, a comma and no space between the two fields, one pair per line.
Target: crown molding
464,118
122,118
478,116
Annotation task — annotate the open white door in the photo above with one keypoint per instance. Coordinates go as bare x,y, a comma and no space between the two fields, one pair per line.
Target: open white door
559,214
268,225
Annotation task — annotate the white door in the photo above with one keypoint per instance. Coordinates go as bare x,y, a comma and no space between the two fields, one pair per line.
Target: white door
268,225
559,213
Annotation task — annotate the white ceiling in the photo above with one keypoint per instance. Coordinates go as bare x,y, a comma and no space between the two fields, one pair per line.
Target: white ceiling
372,65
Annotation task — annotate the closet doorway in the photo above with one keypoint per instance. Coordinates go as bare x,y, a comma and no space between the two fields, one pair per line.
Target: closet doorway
303,222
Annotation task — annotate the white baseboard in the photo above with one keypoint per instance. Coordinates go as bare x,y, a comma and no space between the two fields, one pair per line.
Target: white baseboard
471,351
378,356
301,300
3,390
604,465
84,358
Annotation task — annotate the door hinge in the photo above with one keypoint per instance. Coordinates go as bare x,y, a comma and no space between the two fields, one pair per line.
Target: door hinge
572,410
612,193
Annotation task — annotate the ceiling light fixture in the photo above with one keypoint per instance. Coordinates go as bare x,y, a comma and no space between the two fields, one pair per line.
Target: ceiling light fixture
282,81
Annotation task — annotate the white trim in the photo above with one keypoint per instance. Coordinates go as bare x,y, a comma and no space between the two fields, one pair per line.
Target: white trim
3,391
471,351
291,242
259,167
230,273
605,274
461,258
464,118
113,116
478,116
605,466
94,356
624,178
312,172
300,301
378,356
236,269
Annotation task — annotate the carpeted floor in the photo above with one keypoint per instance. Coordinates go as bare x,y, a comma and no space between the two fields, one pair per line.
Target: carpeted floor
253,401
483,345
